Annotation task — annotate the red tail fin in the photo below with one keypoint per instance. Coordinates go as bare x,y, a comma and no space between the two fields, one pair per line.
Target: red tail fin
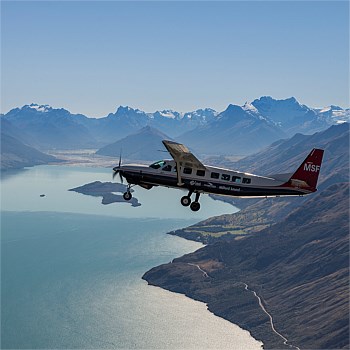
307,174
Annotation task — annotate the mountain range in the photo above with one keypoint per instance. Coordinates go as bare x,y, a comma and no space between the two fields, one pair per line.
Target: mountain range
230,132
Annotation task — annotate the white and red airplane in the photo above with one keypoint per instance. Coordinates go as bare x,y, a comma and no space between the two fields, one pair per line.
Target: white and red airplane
186,172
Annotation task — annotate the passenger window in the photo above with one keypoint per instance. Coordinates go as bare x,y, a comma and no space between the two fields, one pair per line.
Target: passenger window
225,177
236,179
214,175
187,170
200,172
167,168
246,180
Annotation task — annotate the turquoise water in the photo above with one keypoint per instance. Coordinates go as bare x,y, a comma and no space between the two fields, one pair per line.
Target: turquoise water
71,271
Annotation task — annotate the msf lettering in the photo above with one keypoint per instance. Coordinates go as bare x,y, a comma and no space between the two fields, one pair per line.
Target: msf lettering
312,167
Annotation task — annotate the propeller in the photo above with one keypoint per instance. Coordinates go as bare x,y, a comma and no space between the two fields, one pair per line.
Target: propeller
117,169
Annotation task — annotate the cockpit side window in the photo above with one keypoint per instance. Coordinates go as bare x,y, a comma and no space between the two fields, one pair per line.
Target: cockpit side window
167,168
187,170
157,165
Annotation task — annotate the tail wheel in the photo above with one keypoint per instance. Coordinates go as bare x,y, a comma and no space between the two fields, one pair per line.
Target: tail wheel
195,206
127,196
186,201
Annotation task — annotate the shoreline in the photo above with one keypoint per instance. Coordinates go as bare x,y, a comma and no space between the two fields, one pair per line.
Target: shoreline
190,281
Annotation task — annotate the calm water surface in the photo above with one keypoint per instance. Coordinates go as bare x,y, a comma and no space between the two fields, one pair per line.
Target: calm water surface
71,268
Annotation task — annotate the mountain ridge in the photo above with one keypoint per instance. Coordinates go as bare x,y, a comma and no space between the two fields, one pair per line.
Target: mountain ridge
51,128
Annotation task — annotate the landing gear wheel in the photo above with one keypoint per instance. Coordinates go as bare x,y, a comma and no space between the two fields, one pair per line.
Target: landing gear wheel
127,196
186,201
195,206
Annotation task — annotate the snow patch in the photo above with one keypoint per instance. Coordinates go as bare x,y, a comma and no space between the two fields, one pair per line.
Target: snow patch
39,108
249,107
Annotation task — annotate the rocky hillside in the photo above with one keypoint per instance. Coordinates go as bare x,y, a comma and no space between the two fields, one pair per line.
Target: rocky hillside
298,267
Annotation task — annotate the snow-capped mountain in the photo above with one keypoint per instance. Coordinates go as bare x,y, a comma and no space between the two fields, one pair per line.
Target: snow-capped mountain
127,120
45,127
334,114
167,113
292,116
176,123
237,130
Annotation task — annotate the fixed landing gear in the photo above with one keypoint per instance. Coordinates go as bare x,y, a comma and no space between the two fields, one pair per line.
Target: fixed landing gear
186,201
127,195
195,206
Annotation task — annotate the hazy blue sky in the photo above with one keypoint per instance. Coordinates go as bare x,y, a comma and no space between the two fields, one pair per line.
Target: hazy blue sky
91,57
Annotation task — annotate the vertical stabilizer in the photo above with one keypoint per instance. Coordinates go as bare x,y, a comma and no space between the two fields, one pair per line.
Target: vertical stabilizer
307,174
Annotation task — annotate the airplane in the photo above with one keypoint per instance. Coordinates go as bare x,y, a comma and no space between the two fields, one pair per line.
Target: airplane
186,172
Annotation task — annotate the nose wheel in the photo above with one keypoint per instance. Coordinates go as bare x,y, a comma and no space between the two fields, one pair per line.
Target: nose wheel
127,195
186,201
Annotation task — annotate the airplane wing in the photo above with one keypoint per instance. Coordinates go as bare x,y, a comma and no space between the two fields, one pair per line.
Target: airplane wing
182,155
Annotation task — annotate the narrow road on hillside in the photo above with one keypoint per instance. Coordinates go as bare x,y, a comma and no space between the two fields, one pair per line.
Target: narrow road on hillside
199,268
285,340
246,287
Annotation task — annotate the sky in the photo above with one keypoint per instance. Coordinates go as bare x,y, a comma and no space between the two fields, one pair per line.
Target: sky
92,56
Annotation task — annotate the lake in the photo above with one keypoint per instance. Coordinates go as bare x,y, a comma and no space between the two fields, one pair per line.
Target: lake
71,268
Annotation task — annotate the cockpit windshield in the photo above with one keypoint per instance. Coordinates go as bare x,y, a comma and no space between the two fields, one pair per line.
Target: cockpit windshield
157,165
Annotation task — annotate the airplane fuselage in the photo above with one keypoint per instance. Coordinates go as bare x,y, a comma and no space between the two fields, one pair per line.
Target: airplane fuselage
212,180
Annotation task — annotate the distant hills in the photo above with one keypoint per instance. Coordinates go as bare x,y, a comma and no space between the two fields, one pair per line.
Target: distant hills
15,154
230,132
293,252
146,144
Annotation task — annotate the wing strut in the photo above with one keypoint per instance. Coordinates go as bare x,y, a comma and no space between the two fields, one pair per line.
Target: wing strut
178,173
